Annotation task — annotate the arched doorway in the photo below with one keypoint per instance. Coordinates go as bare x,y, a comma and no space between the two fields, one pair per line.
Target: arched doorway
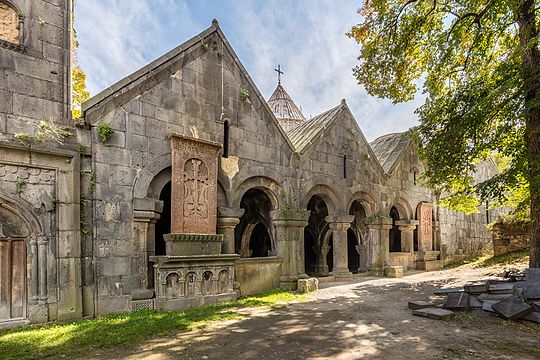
253,235
356,239
13,234
318,255
395,234
163,225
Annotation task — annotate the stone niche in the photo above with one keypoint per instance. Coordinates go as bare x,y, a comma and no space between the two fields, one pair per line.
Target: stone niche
193,272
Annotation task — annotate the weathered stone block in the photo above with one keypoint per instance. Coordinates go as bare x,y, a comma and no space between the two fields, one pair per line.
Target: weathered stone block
512,308
476,287
142,294
501,288
532,274
531,291
420,304
457,301
308,285
394,271
448,291
434,313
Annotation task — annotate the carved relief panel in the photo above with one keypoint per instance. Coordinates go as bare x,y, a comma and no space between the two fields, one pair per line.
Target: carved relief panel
425,227
194,185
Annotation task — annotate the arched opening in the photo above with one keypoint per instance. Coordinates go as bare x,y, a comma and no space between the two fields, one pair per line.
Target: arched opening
395,234
253,236
356,239
317,254
226,138
330,255
10,24
163,225
415,231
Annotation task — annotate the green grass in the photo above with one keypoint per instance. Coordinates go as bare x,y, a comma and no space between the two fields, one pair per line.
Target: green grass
514,258
125,329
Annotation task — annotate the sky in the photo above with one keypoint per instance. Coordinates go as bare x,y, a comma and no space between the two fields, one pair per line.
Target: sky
307,38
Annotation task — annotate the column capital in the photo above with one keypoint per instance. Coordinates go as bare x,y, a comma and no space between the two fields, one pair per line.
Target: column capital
289,214
228,212
379,222
227,222
147,210
407,225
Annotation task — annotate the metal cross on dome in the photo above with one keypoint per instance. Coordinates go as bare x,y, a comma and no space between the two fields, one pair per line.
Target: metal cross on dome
279,72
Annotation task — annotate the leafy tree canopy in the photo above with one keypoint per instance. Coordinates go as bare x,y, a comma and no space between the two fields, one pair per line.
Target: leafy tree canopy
478,63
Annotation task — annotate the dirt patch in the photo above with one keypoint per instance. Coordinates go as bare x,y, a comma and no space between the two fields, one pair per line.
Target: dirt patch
364,319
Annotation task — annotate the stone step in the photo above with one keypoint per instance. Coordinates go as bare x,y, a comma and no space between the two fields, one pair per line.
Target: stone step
434,313
420,304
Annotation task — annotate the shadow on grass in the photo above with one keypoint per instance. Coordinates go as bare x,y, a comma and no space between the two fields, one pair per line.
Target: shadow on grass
55,340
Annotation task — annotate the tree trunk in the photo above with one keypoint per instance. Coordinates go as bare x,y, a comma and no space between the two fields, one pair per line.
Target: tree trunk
526,19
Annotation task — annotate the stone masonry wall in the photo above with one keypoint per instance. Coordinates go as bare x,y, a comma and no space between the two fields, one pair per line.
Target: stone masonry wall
509,237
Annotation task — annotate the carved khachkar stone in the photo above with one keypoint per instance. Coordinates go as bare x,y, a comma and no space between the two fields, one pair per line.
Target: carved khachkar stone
425,226
194,185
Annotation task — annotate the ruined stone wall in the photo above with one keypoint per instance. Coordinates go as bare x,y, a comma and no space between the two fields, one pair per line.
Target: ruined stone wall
128,170
508,237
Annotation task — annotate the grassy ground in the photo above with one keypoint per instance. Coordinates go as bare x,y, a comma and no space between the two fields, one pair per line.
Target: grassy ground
76,338
515,258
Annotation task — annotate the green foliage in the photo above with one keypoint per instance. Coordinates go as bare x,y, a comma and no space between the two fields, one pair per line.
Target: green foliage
124,330
469,54
244,95
79,94
105,131
45,131
21,183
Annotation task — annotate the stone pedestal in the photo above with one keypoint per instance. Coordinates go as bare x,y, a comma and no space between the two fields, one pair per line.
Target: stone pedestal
379,254
290,246
227,220
407,238
428,260
339,226
193,273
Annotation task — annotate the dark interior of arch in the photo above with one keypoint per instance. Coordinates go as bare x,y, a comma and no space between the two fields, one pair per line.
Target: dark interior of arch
163,225
395,234
257,207
415,231
314,233
356,245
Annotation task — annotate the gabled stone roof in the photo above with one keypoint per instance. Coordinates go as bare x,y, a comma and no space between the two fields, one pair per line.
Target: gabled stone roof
304,135
388,149
283,106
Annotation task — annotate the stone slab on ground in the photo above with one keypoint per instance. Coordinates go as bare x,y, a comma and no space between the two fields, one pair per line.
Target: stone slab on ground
536,305
457,301
448,291
532,274
532,317
493,297
308,285
394,271
476,287
501,288
531,291
474,303
434,313
512,308
420,304
488,305
431,265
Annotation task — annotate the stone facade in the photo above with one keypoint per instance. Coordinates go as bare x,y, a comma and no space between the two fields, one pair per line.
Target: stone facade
318,200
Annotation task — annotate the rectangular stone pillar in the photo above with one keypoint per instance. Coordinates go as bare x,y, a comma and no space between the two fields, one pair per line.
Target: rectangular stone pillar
289,237
407,237
339,226
378,252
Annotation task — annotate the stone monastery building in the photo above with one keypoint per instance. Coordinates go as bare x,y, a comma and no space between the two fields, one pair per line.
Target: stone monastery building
82,220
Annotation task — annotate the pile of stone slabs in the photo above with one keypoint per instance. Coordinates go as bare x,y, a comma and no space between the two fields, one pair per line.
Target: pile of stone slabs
511,299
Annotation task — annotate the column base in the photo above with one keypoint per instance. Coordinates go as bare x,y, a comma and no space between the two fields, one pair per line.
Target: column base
341,274
376,270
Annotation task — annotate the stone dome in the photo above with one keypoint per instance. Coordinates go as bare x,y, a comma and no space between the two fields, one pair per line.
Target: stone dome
285,110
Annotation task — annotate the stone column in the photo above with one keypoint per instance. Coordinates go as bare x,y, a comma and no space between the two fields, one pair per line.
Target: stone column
227,220
289,236
407,234
146,212
42,262
339,226
378,253
321,266
34,279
